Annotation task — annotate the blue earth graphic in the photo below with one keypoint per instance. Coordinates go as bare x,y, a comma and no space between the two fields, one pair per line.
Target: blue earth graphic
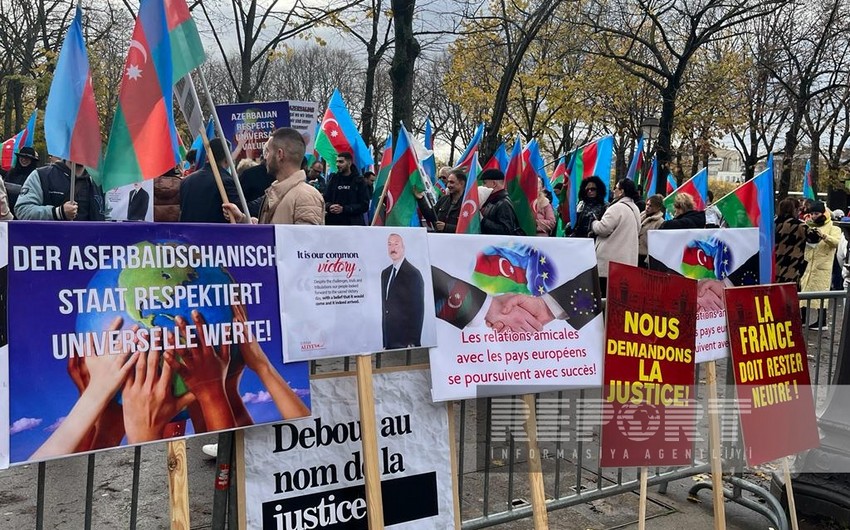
110,278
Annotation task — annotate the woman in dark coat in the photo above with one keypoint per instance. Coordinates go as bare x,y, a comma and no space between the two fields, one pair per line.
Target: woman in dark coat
591,206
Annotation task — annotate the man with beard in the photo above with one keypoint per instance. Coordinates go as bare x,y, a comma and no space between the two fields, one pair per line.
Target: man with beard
347,194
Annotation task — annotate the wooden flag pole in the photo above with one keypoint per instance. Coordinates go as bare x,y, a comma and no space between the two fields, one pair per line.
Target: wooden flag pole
453,460
789,494
714,447
214,165
178,485
220,132
72,194
644,471
369,443
535,468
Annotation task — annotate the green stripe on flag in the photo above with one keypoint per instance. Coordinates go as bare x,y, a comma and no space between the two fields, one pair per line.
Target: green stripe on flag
124,169
187,52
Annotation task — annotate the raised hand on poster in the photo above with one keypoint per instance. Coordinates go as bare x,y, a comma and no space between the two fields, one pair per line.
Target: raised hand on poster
106,375
149,402
204,370
534,305
287,402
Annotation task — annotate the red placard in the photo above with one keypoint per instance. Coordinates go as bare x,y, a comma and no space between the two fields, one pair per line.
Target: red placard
771,371
649,368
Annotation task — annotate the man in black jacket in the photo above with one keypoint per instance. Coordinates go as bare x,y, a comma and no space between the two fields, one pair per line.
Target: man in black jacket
200,200
347,194
497,213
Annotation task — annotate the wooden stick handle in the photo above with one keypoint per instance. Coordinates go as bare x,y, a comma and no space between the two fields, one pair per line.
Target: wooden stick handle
178,485
644,471
535,468
214,165
714,448
789,493
369,442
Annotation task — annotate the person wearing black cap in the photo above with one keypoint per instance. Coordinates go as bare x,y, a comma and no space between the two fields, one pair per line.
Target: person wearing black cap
497,213
27,161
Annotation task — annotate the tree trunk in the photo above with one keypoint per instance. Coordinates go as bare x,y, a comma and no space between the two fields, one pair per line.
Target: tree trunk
791,148
662,148
367,114
620,167
401,71
815,167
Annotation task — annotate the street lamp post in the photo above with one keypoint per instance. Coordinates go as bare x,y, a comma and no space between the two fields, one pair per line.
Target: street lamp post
650,127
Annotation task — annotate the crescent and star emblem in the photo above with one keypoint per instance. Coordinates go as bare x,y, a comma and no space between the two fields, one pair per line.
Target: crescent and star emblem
133,71
390,202
454,301
510,271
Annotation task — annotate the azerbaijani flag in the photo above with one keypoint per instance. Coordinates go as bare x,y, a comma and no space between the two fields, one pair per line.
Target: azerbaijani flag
649,180
534,160
405,176
590,159
521,184
751,204
187,52
468,221
430,163
696,187
500,270
808,189
24,138
671,184
143,139
465,161
381,181
499,160
71,125
338,134
636,165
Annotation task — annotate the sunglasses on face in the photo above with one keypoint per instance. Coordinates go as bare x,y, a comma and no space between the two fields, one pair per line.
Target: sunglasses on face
590,189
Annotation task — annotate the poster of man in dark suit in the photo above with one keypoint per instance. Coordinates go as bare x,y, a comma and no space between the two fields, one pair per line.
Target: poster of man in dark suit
137,207
402,299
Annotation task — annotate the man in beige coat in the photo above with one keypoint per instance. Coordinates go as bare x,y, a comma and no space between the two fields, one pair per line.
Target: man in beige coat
289,200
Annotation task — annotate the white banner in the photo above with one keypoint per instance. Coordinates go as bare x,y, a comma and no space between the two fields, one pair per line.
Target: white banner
4,352
514,312
718,258
308,473
353,290
133,202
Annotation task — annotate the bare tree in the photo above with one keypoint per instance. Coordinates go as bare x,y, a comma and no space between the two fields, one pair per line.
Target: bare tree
812,43
260,28
655,40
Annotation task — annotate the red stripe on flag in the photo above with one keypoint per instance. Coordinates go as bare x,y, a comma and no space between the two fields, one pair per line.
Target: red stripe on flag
176,12
691,190
85,139
748,195
144,108
589,156
697,257
335,135
499,266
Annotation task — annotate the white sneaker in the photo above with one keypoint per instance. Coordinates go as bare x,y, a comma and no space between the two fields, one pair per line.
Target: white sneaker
211,450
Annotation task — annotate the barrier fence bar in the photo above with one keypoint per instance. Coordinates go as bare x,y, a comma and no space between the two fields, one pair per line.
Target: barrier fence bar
608,483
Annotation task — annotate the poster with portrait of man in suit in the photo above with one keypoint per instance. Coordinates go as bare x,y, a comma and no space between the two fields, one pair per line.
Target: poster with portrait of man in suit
515,315
133,202
354,290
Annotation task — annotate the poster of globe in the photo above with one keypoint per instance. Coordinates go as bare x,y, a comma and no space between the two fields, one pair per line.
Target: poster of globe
123,334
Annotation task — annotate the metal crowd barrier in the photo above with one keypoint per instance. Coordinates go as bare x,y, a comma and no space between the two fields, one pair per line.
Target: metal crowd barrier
491,474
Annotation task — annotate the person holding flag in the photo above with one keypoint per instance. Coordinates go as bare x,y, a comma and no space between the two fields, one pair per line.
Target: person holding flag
446,211
591,206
